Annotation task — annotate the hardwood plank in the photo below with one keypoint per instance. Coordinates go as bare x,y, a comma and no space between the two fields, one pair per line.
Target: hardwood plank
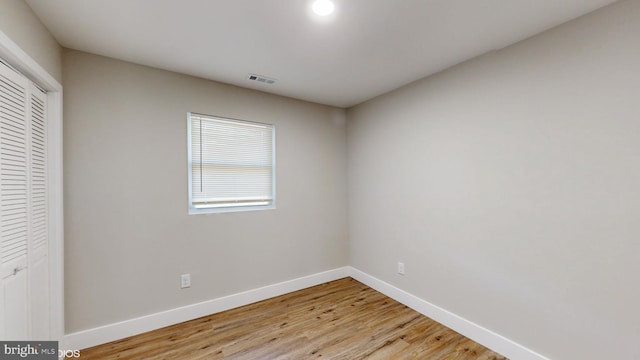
342,319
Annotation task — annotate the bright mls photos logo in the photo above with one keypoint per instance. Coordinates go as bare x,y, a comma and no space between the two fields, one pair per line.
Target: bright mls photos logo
32,350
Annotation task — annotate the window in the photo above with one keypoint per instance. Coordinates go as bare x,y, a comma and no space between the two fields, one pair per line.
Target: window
231,164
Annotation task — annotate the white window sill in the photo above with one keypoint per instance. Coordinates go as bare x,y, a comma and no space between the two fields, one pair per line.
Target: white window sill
217,210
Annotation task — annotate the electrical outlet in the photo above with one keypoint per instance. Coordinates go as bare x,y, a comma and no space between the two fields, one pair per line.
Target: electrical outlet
401,268
185,281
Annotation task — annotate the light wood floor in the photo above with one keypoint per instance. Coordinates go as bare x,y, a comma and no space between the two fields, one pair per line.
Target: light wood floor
342,319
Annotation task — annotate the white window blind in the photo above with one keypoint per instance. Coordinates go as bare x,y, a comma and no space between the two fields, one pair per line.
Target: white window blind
231,163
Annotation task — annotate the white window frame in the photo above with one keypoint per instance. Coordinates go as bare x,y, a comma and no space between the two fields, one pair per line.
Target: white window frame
228,207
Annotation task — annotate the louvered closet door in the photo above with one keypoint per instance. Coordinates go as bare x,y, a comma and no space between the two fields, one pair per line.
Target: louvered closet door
39,244
14,205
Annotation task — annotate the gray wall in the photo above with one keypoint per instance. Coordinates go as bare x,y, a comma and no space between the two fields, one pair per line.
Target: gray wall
20,24
509,186
128,232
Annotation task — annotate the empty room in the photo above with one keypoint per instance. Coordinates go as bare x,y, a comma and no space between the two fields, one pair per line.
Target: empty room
337,179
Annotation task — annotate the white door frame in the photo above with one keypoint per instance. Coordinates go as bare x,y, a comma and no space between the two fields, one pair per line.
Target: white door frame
20,60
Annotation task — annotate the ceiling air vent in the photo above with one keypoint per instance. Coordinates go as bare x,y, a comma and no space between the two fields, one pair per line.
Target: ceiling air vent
262,79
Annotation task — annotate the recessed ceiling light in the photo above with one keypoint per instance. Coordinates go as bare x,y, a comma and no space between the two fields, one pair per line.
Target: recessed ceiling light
323,7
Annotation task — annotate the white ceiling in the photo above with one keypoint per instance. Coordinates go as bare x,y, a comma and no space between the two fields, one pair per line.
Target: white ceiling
364,49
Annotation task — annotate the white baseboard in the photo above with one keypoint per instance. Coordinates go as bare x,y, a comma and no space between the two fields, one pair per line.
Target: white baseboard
120,330
475,332
107,333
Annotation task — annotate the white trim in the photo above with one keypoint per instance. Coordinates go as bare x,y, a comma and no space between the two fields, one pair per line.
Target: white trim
20,60
56,213
116,331
111,332
473,331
